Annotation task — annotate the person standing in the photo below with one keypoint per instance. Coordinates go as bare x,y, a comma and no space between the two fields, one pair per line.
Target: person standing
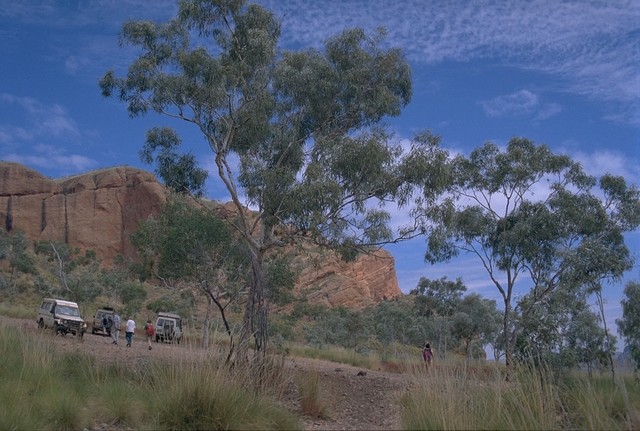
115,332
107,323
150,331
427,354
129,329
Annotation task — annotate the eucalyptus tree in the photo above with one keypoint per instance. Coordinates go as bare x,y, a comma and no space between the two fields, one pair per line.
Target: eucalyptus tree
629,324
295,135
14,247
438,300
187,245
475,323
532,217
77,274
563,331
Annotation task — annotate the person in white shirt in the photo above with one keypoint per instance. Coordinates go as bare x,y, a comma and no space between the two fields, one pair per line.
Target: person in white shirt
129,329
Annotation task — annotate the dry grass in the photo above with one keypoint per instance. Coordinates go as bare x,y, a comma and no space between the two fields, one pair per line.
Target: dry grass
311,401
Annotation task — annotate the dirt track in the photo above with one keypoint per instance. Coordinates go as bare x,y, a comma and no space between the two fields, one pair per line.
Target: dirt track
356,399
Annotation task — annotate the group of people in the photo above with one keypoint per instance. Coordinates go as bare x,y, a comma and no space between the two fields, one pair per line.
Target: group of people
115,324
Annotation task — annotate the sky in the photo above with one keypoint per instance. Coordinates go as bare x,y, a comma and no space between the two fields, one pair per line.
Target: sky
561,73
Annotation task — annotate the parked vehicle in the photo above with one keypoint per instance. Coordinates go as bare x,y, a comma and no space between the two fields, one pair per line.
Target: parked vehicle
63,316
168,328
99,325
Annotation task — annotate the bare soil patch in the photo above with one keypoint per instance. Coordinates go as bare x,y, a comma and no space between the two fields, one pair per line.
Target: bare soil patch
356,399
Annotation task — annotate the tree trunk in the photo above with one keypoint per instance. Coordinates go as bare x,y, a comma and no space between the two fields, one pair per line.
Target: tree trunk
508,348
254,322
606,334
205,326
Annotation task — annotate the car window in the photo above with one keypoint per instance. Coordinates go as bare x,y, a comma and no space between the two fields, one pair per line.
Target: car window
69,311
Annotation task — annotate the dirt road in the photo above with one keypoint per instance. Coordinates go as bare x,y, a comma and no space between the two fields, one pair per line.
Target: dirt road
355,399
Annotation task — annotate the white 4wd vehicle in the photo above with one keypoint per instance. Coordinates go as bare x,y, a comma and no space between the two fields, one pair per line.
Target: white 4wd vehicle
63,316
168,328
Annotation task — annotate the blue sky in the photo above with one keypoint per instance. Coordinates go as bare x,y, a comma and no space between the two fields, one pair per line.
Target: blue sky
566,74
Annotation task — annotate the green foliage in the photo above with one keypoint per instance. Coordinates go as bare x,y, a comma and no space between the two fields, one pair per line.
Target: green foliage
161,304
525,211
281,279
438,297
69,273
180,171
562,331
455,322
132,295
188,242
629,324
310,157
14,247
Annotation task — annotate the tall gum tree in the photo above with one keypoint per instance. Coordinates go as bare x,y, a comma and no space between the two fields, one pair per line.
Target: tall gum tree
304,127
535,218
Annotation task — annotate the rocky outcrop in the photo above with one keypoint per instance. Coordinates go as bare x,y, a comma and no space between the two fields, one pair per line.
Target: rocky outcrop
99,211
327,280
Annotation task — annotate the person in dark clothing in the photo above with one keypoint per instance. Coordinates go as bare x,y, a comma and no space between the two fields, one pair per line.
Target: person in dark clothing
427,354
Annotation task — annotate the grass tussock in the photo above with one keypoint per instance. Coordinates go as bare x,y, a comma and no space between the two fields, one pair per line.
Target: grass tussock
41,388
311,402
452,398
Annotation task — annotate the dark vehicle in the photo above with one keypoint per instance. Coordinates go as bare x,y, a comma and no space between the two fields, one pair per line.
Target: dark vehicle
168,328
103,321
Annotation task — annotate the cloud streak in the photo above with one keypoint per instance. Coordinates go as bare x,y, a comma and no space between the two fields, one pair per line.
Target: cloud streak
34,121
38,120
523,102
50,157
587,45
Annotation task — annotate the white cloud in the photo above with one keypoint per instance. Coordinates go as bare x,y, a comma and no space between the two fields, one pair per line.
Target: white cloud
34,122
611,162
50,157
588,45
38,119
520,103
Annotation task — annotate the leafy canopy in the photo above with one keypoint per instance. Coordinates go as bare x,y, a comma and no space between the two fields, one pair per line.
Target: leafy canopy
526,212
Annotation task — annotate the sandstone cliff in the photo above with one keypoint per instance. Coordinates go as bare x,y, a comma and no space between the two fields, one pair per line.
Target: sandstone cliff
100,209
97,210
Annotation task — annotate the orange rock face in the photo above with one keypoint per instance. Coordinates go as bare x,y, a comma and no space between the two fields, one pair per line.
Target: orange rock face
99,211
329,281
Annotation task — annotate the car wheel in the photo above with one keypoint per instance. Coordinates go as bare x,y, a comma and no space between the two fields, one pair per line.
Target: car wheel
40,323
